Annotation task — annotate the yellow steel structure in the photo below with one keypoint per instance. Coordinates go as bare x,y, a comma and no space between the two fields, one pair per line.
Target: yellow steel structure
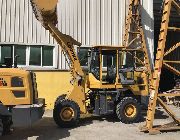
159,63
50,87
134,33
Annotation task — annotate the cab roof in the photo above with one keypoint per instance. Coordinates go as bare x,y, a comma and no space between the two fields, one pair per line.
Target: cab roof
105,47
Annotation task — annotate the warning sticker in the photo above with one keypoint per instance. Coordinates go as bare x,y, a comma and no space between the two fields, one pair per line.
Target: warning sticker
3,82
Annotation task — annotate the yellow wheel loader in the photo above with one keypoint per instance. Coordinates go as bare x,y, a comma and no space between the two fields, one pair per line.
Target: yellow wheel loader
19,102
120,86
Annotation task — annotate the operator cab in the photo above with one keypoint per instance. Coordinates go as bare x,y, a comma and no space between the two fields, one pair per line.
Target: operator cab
114,65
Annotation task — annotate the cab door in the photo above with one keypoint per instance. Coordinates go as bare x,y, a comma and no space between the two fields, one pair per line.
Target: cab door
126,67
109,65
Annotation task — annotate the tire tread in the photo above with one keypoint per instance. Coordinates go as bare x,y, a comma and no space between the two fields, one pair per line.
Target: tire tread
58,105
119,110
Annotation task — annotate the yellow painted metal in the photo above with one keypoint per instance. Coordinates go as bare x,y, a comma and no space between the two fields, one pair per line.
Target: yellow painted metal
45,11
176,6
78,95
168,110
45,6
157,72
136,88
51,84
158,65
174,28
128,22
67,114
93,82
174,70
100,68
117,67
169,94
130,110
169,61
66,43
143,88
172,49
6,89
134,33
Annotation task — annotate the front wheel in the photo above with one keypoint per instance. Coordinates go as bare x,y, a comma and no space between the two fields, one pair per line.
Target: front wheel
66,113
128,110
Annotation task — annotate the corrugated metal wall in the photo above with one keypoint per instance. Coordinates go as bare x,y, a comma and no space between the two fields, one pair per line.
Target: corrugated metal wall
92,22
17,23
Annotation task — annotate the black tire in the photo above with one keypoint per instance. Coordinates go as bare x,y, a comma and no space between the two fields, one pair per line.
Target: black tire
7,123
60,105
1,127
62,97
121,110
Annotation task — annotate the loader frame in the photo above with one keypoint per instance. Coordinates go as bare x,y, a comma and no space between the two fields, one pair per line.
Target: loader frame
160,61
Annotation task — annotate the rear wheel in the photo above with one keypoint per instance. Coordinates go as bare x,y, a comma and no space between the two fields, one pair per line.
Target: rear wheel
128,110
66,113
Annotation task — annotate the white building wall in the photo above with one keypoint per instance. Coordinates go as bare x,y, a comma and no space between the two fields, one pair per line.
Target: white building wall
92,22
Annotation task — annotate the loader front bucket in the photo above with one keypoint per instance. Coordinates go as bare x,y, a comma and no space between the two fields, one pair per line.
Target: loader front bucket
45,11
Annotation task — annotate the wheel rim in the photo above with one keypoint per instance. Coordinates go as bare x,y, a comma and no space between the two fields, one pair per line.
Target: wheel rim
130,110
67,113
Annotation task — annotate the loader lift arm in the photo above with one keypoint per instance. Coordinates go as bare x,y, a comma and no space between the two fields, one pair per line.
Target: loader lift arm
46,13
66,42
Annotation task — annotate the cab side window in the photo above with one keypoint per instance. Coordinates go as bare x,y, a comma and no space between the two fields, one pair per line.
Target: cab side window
17,82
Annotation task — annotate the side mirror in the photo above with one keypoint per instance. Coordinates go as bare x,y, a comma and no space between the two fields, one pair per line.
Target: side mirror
89,53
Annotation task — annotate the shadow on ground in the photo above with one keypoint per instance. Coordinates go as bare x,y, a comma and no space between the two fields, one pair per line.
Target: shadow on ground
46,129
43,130
89,120
159,114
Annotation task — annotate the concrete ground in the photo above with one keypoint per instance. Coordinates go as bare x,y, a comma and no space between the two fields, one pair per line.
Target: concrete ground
95,128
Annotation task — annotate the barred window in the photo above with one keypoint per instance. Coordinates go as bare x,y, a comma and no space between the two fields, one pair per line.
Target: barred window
29,55
6,51
35,56
21,52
